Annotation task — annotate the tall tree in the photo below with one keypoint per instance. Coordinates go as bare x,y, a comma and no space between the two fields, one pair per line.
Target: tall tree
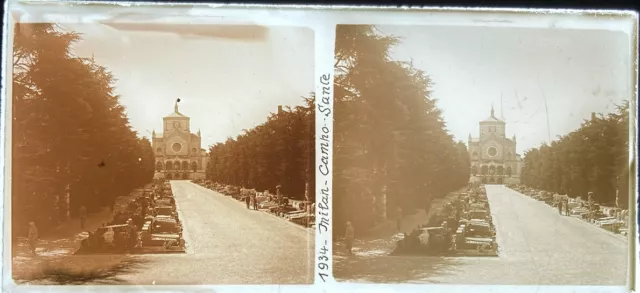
71,141
391,145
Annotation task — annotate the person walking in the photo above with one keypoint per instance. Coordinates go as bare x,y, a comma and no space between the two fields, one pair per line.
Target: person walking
566,207
349,237
247,200
83,216
33,237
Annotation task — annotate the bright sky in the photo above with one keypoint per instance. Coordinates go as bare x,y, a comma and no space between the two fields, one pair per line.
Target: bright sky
228,79
579,72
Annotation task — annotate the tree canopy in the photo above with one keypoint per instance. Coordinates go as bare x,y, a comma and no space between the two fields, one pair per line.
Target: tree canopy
280,151
594,158
391,145
72,144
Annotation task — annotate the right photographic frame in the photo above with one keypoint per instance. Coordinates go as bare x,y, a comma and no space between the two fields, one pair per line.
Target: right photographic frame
492,152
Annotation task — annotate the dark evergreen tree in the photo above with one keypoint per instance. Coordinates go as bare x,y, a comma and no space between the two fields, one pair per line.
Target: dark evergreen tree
391,145
71,141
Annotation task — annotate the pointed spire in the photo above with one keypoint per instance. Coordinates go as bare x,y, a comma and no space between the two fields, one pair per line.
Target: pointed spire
199,132
153,134
501,109
469,136
514,138
492,112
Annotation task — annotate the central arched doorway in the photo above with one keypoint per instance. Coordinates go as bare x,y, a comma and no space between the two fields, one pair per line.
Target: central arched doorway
168,175
185,176
492,170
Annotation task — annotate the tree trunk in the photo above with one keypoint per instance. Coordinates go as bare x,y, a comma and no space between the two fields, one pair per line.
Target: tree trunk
65,203
383,203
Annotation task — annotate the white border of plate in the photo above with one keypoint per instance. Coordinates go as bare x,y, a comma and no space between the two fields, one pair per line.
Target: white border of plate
323,19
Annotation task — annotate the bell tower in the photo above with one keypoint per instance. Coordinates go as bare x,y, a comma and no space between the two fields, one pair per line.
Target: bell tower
492,127
176,121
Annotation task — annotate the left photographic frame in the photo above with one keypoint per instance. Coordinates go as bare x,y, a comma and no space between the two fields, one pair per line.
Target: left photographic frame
144,150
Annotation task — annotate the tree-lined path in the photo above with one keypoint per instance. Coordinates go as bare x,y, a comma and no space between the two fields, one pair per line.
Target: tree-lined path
230,244
537,247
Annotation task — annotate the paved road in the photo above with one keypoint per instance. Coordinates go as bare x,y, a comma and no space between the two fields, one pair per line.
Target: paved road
537,246
228,244
559,249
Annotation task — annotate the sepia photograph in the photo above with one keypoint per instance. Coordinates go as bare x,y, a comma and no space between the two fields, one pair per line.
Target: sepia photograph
487,154
161,153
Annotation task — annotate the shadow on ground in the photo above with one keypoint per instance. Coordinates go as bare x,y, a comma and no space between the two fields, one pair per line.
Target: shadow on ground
392,269
371,263
55,264
74,270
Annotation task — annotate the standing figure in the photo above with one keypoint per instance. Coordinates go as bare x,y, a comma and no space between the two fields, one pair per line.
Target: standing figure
278,195
566,207
83,216
255,201
446,237
33,237
108,237
560,202
132,230
349,236
247,200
